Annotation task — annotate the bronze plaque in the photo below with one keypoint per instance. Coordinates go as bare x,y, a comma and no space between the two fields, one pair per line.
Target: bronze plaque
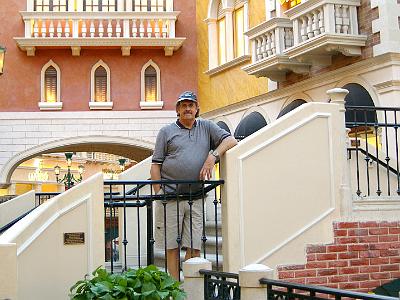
74,238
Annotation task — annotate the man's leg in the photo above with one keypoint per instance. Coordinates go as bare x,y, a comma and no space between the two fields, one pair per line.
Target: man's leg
190,253
173,262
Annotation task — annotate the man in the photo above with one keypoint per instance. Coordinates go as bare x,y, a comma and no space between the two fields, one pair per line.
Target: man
183,152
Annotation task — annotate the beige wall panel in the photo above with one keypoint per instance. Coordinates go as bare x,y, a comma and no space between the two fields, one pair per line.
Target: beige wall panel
256,12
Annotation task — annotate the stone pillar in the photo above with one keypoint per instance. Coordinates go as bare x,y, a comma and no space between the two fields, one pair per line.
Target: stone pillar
194,281
249,280
337,96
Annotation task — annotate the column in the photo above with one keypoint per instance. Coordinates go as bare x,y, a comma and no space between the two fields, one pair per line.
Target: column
194,281
212,43
249,280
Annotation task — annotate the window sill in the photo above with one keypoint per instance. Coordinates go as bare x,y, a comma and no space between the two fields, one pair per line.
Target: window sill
151,105
237,61
100,105
50,105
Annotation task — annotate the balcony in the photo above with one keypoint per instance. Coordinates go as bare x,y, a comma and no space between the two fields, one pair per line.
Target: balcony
312,32
88,30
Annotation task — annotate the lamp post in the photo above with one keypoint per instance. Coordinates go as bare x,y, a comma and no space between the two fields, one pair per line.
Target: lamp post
122,162
69,180
2,57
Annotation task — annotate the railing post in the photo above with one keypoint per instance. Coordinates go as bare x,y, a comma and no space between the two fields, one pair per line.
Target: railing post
194,281
249,280
150,239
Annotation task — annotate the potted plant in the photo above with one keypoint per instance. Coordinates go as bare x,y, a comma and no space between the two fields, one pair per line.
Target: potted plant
147,283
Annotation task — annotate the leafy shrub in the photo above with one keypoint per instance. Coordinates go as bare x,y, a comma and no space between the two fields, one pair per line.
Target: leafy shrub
147,283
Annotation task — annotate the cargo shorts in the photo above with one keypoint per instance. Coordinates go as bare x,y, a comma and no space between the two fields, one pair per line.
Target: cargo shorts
172,228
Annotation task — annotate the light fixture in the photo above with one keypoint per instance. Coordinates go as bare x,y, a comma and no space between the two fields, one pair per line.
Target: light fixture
122,162
2,57
69,180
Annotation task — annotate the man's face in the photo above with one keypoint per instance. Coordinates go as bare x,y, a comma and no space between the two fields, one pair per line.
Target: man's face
187,110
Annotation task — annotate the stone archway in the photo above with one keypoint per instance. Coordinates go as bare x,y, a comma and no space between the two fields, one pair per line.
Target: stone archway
123,146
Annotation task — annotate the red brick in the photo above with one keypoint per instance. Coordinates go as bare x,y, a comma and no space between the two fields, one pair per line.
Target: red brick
390,268
358,247
311,257
349,285
381,246
359,277
292,267
332,285
338,263
359,262
327,272
394,230
378,231
369,254
388,224
305,273
342,232
358,232
327,256
395,245
316,264
369,269
286,275
348,255
395,260
388,238
392,252
368,224
380,275
347,225
365,291
298,280
368,239
370,284
335,279
352,270
347,240
395,274
337,248
317,280
316,249
379,261
383,281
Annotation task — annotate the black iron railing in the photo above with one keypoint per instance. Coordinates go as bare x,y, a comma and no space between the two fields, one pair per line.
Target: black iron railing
138,196
286,290
40,198
374,138
220,285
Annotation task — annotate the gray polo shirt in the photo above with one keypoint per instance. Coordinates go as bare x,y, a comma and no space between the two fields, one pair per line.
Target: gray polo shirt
182,152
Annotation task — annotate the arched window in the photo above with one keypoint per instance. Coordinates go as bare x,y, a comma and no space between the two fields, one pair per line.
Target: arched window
50,5
226,27
151,86
100,87
50,87
249,124
291,106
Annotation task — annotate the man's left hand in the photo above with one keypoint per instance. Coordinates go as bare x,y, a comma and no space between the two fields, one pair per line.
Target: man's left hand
207,169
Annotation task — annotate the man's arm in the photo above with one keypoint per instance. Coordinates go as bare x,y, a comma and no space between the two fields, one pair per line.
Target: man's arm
155,173
207,169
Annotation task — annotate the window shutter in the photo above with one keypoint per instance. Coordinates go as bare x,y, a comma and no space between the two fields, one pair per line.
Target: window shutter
50,81
150,81
100,78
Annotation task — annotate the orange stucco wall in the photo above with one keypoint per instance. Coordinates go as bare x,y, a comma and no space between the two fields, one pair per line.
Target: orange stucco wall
20,83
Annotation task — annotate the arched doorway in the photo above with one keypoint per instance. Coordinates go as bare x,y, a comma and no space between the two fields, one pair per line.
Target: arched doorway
249,124
291,106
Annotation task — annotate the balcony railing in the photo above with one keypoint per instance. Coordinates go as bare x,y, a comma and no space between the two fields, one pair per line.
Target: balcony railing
78,30
312,32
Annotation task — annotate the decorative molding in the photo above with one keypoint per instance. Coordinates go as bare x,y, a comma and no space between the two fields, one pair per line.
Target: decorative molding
387,86
50,105
100,105
230,64
42,83
151,104
299,9
268,25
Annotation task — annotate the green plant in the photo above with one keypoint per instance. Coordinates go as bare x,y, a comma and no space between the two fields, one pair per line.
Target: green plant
147,283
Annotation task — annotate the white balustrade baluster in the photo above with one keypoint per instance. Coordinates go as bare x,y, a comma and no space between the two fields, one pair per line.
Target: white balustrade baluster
92,29
141,29
316,30
346,19
51,29
36,28
321,21
109,29
157,28
338,18
258,45
43,29
303,30
84,29
149,29
164,29
273,43
134,28
59,29
101,28
67,29
310,33
268,50
118,29
288,38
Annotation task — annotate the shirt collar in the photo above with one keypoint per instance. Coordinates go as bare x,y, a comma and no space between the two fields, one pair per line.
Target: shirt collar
181,126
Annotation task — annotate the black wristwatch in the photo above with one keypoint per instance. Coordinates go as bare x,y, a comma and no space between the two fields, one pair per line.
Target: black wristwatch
215,153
